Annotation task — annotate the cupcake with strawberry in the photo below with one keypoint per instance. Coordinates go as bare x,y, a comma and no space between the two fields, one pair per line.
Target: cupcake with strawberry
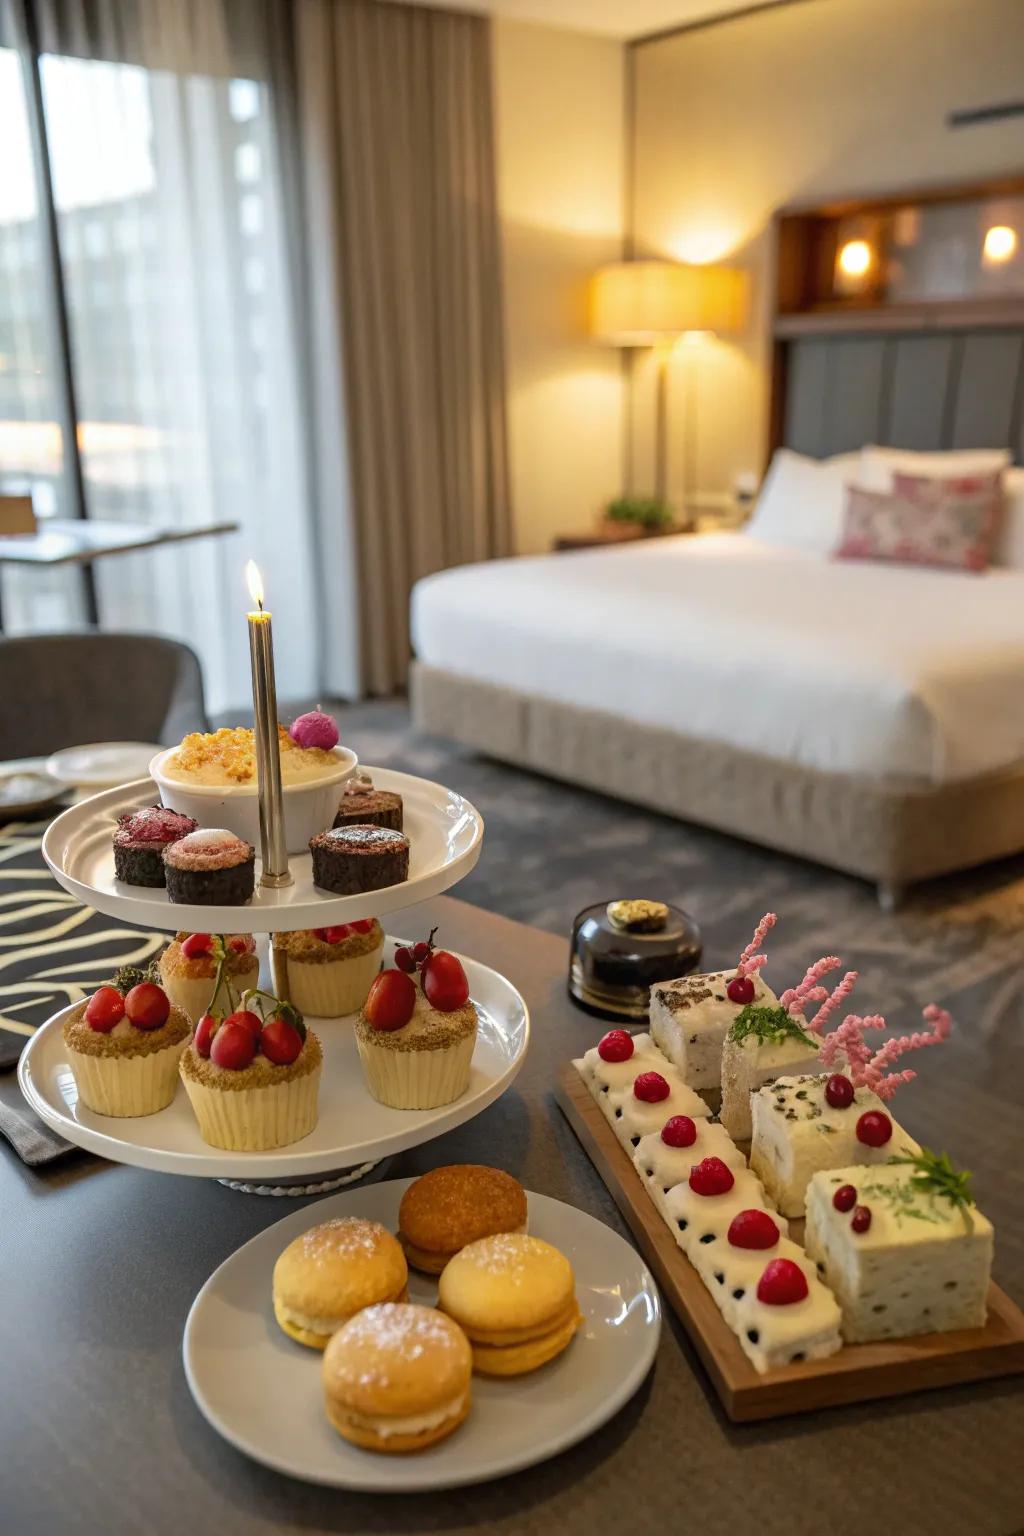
417,1029
252,1075
124,1048
326,972
188,970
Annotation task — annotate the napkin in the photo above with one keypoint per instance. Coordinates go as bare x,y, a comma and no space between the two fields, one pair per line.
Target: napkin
33,1141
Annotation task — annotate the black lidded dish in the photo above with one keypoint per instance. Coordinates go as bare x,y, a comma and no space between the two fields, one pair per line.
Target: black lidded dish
140,840
620,949
348,860
211,868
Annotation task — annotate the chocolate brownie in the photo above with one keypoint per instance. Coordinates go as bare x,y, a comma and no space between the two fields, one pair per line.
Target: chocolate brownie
350,859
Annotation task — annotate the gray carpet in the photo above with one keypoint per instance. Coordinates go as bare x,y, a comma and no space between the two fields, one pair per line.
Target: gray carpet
551,849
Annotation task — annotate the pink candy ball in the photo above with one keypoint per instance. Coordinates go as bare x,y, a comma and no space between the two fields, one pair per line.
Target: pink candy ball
314,730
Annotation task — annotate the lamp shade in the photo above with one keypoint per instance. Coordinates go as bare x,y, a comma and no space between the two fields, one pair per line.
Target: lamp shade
636,303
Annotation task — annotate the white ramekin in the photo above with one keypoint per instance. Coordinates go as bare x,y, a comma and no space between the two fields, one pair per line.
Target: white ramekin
309,807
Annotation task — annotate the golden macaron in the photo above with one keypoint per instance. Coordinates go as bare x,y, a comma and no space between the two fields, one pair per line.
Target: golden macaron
514,1296
331,1272
455,1205
396,1378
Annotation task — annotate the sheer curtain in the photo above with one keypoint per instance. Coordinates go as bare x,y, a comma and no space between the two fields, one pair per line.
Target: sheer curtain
164,133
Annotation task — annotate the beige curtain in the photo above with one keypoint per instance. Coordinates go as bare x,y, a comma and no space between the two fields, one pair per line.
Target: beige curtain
402,225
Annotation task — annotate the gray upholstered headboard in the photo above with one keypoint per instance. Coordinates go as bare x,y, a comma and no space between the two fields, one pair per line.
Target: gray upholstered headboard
937,390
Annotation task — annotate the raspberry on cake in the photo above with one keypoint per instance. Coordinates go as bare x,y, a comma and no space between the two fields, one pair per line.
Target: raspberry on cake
907,1252
689,1017
192,963
140,840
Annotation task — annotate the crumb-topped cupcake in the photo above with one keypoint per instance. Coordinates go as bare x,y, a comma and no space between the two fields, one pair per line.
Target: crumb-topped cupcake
327,972
191,965
140,840
416,1042
211,867
124,1049
252,1078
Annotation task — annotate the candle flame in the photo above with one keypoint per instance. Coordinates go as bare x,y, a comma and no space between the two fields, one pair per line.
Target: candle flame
255,581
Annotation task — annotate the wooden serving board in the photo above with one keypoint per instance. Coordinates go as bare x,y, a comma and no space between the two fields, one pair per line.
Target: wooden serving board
857,1372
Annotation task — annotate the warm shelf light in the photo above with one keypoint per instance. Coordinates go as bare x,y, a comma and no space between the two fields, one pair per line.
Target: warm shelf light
855,258
1000,245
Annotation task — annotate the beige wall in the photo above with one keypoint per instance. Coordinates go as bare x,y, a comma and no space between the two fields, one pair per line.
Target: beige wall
797,103
559,118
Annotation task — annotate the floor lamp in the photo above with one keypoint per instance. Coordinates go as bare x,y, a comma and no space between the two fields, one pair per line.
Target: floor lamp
654,304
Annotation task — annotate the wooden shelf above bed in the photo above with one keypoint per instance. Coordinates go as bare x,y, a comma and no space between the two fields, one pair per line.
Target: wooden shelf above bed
886,319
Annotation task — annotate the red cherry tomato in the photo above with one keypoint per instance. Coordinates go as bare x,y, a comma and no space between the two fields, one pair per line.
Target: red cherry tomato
280,1041
333,935
242,944
197,946
247,1019
234,1045
390,1001
445,984
147,1005
203,1037
104,1009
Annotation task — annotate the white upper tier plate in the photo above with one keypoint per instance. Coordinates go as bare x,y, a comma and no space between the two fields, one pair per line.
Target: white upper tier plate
352,1127
262,1391
445,833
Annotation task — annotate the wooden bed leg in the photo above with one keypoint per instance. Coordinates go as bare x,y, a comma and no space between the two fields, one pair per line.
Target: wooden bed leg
890,895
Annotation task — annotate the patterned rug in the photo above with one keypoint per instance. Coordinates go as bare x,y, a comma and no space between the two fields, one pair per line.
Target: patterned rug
551,849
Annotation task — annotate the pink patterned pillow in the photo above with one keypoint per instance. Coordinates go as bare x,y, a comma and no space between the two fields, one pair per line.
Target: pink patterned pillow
923,521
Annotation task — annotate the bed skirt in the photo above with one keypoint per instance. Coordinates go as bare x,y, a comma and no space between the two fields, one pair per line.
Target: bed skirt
888,830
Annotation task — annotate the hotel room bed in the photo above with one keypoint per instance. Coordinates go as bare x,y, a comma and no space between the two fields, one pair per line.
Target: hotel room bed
866,715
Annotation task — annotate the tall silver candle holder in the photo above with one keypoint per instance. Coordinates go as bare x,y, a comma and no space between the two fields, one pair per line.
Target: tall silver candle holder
274,851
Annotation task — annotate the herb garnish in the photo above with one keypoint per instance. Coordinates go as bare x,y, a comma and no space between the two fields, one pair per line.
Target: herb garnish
769,1026
935,1175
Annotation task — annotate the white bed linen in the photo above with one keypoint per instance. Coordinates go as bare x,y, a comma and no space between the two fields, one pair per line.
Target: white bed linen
844,666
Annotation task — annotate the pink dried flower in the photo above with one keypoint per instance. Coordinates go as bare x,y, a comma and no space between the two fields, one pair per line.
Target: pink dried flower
867,1069
796,999
838,995
750,961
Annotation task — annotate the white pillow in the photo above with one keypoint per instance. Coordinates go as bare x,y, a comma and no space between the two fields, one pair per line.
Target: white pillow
801,501
1009,546
878,465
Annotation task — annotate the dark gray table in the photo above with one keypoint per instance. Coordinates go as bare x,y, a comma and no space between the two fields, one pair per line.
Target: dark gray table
99,1265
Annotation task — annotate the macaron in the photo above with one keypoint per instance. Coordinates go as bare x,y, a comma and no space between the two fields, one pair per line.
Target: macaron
331,1272
514,1297
452,1206
397,1377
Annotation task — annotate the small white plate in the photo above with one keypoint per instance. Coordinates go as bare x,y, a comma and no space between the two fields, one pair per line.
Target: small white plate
24,790
352,1127
101,763
445,835
261,1391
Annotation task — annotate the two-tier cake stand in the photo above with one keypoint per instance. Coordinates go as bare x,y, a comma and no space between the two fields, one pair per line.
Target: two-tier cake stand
353,1132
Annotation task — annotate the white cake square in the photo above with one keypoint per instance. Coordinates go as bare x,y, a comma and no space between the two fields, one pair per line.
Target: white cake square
776,1334
662,1167
631,1117
600,1074
702,1221
797,1132
689,1019
922,1261
761,1045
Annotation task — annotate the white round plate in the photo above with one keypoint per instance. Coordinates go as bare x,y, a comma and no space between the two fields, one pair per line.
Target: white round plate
101,763
445,834
261,1391
23,790
352,1127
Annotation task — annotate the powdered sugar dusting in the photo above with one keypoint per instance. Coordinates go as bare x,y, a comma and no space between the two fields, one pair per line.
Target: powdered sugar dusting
360,836
344,1235
507,1254
398,1332
211,840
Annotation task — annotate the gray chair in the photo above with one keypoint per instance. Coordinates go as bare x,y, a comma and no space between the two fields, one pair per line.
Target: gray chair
67,689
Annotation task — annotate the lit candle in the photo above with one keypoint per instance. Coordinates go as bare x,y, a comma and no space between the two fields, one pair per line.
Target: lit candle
268,753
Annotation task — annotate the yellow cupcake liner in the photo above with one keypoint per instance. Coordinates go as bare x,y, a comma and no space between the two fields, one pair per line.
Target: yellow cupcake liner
328,991
417,1079
255,1119
127,1085
192,994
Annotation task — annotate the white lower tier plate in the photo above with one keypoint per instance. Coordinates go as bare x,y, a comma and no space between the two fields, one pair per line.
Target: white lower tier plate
445,834
352,1127
261,1390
